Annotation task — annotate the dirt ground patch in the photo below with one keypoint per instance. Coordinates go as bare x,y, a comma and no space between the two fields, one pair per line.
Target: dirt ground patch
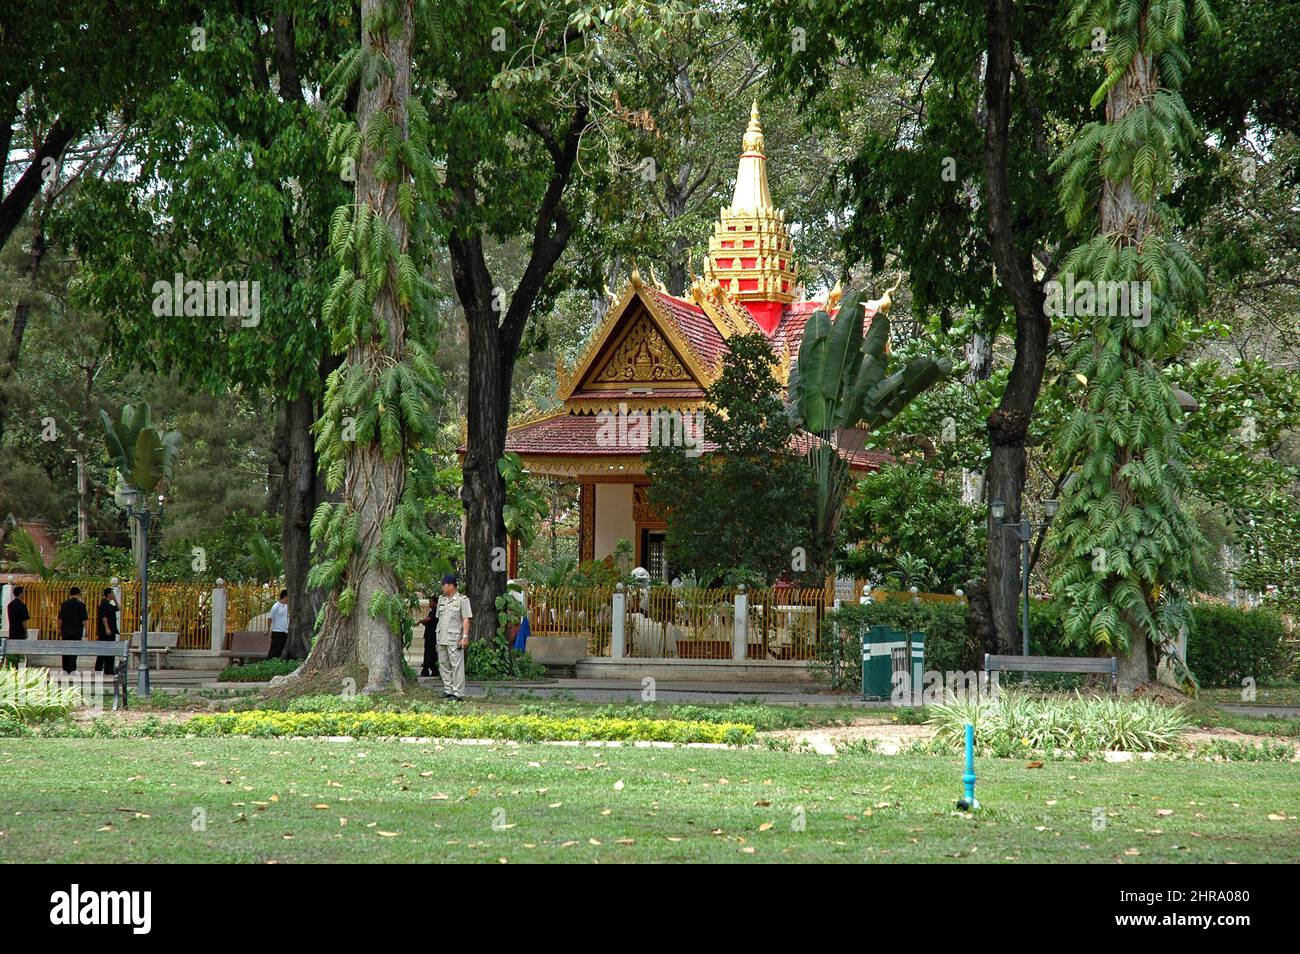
890,736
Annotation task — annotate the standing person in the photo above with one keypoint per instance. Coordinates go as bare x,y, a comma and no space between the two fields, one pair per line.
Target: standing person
72,624
279,625
18,615
106,628
429,667
454,614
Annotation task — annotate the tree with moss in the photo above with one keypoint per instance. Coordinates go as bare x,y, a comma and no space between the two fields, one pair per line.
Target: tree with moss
1127,546
378,408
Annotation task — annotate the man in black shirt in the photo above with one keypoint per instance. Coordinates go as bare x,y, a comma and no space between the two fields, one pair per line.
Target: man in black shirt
18,615
106,628
72,624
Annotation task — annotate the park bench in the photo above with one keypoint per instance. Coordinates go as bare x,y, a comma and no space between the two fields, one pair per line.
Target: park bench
159,644
114,649
1108,665
248,644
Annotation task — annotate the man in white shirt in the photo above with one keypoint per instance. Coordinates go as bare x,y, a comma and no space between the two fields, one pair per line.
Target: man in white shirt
279,625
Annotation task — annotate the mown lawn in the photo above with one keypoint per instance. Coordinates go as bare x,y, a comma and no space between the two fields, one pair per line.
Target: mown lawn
256,800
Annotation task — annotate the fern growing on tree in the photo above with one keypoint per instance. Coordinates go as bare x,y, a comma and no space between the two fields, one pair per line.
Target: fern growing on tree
1127,546
378,405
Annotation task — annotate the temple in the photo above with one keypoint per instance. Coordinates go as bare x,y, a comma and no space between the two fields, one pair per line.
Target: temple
643,375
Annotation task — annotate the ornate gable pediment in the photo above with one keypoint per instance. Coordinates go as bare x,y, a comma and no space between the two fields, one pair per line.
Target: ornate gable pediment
635,346
641,355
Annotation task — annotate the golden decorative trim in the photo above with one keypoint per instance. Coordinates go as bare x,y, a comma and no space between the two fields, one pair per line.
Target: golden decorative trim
643,512
587,522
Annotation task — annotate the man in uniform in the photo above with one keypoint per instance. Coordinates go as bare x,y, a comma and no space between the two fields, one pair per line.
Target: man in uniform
454,614
18,615
106,628
72,624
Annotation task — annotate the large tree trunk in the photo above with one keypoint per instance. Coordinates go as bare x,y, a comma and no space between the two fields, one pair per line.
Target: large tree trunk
1008,425
22,310
373,486
493,349
484,490
302,490
1129,220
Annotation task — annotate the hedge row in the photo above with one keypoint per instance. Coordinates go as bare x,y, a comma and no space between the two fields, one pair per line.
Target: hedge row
522,728
1224,645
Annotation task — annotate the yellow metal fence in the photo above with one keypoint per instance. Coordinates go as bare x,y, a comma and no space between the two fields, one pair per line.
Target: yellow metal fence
182,608
784,622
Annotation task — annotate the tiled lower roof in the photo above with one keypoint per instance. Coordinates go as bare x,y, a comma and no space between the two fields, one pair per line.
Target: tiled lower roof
599,435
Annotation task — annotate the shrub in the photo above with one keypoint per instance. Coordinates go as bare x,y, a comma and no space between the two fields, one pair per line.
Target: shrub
11,727
262,671
1231,750
523,728
485,662
27,694
1226,644
839,655
1012,723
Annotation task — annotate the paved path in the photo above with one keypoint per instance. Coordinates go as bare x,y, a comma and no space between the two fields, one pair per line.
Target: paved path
619,690
1261,711
630,691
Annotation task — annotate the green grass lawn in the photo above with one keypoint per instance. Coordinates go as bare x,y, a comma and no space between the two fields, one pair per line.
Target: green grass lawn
136,800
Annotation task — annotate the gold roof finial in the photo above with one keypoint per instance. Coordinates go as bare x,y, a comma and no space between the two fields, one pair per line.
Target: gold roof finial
835,295
751,193
753,141
884,302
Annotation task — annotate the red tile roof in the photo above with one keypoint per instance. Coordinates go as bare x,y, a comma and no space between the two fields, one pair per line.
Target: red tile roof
709,344
605,435
602,435
695,326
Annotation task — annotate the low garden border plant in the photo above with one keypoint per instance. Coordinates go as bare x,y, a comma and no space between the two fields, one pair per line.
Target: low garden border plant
522,728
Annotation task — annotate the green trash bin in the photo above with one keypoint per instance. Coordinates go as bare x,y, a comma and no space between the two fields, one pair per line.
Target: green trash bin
878,661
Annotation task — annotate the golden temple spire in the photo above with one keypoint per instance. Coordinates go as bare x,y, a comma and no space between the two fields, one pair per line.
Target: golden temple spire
751,178
749,252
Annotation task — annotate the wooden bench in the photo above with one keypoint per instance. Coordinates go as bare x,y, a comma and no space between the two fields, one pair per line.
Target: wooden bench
248,644
159,644
1100,664
114,649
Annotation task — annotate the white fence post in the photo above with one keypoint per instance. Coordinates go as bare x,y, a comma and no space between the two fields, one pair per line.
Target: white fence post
617,632
740,627
219,616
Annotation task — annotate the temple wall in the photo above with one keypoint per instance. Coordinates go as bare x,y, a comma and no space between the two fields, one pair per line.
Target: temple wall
614,519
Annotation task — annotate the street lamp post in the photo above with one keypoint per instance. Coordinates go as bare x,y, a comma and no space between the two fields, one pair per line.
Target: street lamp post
144,516
1024,531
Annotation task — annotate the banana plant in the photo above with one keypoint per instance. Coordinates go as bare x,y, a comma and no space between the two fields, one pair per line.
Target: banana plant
144,456
842,385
